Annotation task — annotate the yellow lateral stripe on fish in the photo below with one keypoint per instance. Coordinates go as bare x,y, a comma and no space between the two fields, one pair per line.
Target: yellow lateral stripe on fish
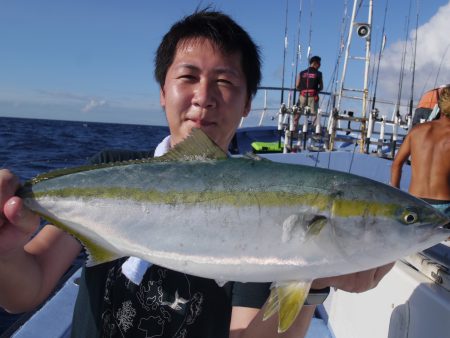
339,207
350,208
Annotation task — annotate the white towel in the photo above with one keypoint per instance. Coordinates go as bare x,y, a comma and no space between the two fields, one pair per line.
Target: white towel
135,268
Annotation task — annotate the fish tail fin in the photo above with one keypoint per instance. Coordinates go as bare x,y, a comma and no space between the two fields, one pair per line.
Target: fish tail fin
288,299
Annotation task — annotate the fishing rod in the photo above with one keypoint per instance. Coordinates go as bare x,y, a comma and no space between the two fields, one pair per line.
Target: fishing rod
282,114
440,65
290,95
306,119
333,84
374,97
393,145
403,61
284,53
425,83
298,49
414,63
383,44
308,54
296,56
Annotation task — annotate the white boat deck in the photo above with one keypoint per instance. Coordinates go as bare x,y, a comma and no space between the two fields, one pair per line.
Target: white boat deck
54,319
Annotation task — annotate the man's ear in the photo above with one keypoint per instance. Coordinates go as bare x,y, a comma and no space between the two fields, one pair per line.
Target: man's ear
162,98
248,107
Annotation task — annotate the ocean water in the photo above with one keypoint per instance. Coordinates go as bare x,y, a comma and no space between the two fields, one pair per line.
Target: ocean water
32,146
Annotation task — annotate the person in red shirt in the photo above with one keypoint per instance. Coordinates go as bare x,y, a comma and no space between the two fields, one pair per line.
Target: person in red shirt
309,83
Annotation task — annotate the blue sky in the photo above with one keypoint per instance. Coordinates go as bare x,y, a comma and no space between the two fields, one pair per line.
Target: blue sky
93,60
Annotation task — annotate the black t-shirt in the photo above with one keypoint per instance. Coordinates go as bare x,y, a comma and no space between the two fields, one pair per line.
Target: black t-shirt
166,303
310,80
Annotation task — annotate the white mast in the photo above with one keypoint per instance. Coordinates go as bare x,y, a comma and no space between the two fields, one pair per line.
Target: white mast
363,30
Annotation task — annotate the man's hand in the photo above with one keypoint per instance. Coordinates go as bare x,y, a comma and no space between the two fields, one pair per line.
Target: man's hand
17,223
354,282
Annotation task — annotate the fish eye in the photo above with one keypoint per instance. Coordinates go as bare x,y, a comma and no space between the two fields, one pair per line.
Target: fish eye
410,217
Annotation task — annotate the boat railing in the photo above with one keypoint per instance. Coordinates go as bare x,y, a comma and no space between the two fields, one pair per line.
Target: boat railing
323,130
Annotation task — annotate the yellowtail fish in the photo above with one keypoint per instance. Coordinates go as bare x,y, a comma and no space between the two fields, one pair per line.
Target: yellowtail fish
197,211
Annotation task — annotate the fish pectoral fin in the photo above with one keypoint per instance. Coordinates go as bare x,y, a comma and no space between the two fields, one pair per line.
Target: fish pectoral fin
288,298
315,225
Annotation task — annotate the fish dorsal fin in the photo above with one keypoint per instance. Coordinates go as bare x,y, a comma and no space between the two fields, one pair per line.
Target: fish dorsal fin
197,146
288,298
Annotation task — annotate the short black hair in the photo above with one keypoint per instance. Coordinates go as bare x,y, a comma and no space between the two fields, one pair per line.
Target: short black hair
315,59
220,29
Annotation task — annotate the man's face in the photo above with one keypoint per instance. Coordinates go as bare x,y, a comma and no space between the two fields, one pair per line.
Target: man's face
204,89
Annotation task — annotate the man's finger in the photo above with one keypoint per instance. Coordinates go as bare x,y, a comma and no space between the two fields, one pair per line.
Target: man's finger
20,216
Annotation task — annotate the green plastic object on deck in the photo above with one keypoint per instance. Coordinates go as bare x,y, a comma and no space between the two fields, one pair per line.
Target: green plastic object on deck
267,147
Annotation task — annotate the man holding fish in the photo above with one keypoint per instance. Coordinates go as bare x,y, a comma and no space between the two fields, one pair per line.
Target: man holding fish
208,69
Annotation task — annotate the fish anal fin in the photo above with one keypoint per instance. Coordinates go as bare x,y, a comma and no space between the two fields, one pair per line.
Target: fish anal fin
272,304
291,297
96,254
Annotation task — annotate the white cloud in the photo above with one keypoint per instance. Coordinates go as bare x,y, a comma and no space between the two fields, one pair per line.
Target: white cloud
432,66
92,104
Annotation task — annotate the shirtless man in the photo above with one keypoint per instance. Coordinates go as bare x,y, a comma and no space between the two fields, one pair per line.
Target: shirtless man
428,144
